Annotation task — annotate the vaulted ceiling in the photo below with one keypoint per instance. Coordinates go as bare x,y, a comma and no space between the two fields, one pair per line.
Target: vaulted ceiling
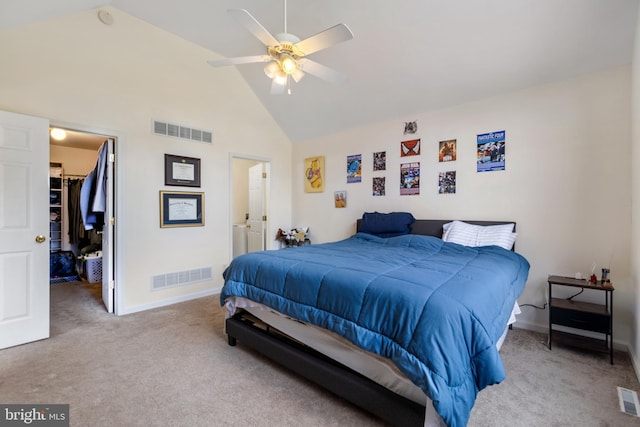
407,56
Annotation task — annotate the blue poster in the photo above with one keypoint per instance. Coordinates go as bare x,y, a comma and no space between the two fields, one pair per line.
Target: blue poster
491,156
354,168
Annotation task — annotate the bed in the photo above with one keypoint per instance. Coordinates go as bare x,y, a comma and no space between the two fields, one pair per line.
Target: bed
429,314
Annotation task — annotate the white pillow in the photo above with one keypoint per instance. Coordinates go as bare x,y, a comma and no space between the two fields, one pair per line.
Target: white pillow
466,234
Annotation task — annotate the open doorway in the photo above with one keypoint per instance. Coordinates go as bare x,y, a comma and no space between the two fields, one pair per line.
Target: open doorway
249,204
82,245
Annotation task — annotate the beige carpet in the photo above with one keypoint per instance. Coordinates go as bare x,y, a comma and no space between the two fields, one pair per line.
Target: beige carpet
172,367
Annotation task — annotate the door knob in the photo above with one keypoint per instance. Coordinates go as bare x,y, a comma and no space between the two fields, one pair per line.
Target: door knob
40,238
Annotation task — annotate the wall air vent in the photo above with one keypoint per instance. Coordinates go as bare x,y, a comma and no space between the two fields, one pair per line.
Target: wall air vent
183,132
180,278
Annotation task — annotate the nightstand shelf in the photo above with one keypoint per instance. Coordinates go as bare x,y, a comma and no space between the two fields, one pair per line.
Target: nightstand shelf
581,315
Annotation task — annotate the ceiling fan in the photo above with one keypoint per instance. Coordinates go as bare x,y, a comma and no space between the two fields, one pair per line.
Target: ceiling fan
286,53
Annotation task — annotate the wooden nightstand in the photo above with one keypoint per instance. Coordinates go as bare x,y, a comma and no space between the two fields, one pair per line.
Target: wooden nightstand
582,315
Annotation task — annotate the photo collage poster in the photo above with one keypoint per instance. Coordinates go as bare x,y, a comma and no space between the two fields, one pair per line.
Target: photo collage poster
380,161
378,184
447,182
409,178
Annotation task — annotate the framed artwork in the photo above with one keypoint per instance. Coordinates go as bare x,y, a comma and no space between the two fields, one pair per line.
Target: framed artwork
181,209
314,174
182,171
340,199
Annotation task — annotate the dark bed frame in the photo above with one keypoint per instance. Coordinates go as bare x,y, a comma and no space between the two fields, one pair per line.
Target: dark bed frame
326,372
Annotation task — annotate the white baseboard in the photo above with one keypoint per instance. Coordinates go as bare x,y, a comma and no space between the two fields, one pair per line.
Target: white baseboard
169,301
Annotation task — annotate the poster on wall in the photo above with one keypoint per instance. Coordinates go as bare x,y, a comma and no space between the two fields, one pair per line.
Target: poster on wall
354,168
447,182
410,127
491,156
447,151
380,161
410,148
379,186
340,199
409,178
314,174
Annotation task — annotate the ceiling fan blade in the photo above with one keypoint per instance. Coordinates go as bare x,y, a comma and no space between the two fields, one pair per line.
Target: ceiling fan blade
324,39
277,88
321,71
239,60
250,23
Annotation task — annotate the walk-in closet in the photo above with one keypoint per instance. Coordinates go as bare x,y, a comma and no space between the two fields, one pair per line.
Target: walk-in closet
75,246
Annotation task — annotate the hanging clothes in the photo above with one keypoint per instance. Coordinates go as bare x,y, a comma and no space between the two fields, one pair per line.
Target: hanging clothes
76,226
93,195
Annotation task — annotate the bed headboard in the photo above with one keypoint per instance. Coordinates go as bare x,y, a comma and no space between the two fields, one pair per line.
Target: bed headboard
433,227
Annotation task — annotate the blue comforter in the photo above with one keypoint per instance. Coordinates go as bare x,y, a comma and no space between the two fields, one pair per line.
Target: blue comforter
435,309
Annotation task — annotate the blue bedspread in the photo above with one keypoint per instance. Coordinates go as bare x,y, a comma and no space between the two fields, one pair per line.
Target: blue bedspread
435,309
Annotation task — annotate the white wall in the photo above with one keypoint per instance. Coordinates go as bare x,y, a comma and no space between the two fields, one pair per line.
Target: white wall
635,193
75,161
566,183
116,79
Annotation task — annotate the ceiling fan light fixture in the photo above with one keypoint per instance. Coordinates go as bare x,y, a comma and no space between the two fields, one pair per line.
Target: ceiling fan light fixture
288,64
281,78
58,134
271,69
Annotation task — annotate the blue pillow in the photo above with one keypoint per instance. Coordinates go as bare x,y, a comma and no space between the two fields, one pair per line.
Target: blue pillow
386,225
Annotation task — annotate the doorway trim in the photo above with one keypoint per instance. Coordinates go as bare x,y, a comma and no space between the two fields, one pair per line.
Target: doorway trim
267,189
118,258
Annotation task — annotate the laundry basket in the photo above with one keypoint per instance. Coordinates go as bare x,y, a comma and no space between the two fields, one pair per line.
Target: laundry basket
93,268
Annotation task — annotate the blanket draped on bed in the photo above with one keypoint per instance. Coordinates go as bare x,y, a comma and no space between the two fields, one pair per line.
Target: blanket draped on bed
435,309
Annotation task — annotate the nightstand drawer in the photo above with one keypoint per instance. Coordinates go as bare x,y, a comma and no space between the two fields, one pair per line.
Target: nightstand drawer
580,320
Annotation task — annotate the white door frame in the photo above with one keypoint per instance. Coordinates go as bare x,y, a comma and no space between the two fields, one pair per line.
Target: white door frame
267,187
118,251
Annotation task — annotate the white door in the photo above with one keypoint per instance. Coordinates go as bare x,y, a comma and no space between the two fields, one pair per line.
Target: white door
256,221
24,229
108,247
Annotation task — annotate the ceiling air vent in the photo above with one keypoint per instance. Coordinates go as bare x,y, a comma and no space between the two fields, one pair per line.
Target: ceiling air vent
183,132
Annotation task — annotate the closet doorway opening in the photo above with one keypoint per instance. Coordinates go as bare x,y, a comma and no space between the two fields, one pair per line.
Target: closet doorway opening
82,240
249,195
